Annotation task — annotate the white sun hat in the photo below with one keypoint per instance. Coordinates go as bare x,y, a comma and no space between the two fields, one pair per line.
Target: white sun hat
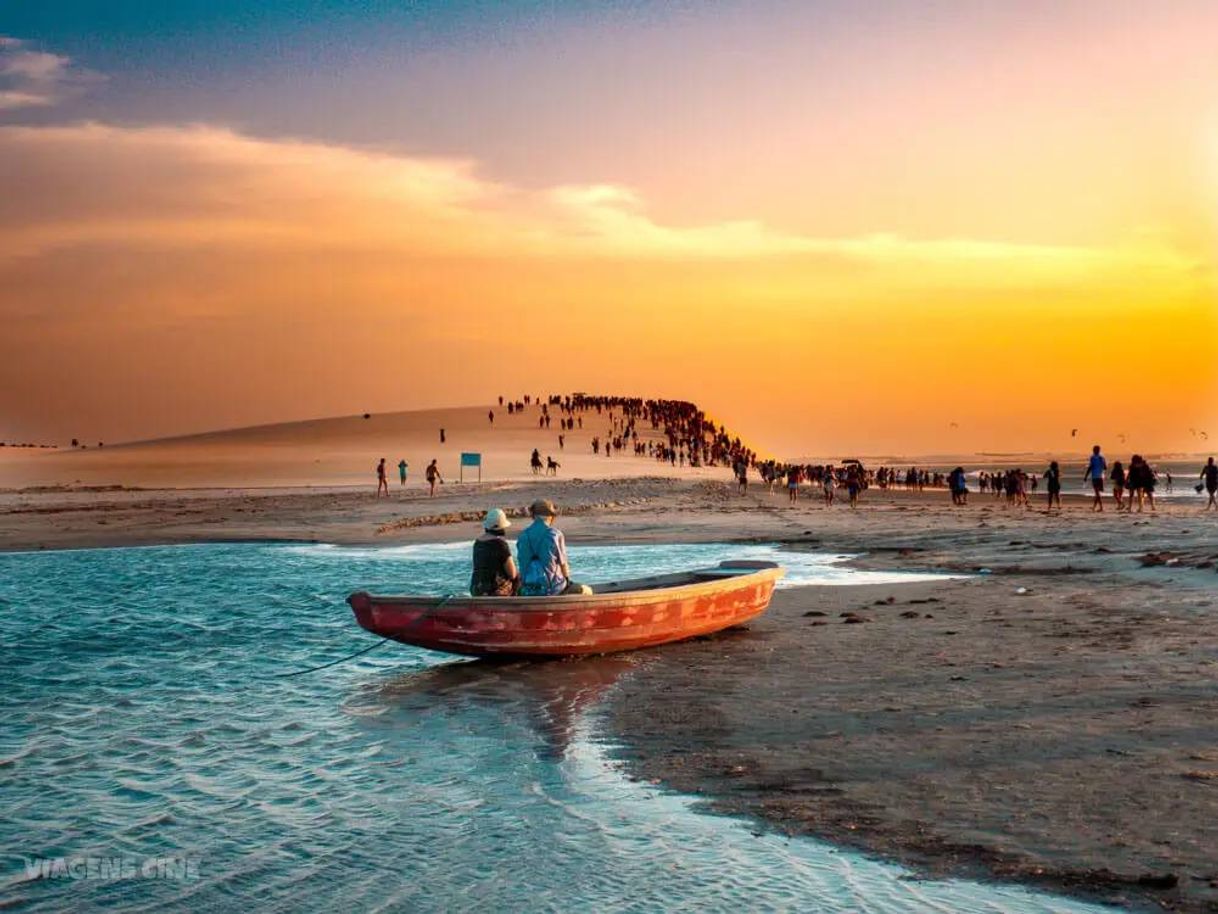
495,520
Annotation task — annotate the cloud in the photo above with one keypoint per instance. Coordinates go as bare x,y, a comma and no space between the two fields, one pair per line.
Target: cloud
163,278
33,78
209,189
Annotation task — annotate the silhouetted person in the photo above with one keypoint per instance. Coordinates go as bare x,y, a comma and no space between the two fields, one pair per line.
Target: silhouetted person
1209,478
1053,477
1097,466
1118,484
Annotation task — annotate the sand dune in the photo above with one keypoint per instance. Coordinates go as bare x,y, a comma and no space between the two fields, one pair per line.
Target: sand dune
335,451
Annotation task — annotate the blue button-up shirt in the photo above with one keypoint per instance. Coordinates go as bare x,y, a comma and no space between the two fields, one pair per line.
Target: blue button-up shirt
541,551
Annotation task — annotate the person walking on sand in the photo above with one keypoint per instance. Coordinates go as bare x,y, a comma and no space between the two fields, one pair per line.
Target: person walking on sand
958,487
403,466
1118,484
1133,483
382,482
854,483
793,481
1097,466
1209,479
433,476
1149,480
828,484
442,436
1053,482
1141,481
490,415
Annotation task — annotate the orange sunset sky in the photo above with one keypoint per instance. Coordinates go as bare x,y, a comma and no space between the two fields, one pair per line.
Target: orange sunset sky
893,228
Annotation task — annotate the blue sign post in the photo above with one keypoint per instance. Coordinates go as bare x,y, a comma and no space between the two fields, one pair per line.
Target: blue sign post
470,459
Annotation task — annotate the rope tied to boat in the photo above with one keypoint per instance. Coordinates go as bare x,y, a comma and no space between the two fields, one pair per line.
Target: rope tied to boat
367,650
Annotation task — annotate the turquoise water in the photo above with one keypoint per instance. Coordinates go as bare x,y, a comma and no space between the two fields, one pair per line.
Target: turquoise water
150,758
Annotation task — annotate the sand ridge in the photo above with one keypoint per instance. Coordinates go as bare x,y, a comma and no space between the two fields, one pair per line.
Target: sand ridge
341,451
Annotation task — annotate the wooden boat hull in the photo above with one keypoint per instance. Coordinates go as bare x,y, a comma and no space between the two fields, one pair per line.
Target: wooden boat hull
613,618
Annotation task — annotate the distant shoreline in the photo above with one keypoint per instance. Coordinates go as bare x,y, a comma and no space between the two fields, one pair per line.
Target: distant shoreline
104,517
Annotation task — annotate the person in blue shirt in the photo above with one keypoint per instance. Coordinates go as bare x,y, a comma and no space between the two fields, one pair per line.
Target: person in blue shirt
1097,466
541,556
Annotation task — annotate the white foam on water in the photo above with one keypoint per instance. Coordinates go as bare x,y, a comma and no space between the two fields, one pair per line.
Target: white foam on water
592,563
412,550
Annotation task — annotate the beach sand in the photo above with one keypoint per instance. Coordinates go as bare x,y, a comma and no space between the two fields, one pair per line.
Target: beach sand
1063,736
339,451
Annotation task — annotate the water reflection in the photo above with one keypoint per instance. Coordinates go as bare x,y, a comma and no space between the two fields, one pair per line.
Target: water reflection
516,775
551,696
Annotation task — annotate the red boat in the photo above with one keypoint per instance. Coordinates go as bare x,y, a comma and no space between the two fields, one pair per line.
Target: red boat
617,616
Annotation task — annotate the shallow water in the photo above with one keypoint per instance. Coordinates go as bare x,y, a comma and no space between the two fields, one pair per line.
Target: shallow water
142,721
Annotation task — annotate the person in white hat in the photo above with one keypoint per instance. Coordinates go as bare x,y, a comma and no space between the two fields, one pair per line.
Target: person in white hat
495,572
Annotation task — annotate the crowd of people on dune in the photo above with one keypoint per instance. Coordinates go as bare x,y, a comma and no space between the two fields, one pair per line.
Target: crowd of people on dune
682,434
675,432
679,434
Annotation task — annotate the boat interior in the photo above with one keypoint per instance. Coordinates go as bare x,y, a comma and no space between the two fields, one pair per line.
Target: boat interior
723,570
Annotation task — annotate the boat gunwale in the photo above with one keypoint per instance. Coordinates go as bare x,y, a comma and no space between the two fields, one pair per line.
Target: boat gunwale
518,604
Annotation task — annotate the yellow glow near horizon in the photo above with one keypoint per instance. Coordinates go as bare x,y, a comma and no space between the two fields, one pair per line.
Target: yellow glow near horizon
168,279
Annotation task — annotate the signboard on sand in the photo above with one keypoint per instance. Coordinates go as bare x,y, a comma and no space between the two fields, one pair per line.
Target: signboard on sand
471,459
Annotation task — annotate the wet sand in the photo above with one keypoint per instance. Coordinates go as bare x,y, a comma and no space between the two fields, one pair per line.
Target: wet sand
1058,738
1064,736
